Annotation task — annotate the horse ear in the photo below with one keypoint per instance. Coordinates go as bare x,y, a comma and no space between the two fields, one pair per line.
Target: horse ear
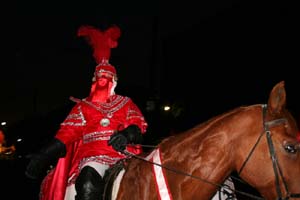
277,99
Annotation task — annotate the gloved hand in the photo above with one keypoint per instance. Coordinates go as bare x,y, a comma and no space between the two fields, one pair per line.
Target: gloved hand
38,166
130,135
118,141
133,134
39,163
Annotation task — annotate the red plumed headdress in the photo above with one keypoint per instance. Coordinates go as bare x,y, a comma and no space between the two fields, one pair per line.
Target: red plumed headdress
101,42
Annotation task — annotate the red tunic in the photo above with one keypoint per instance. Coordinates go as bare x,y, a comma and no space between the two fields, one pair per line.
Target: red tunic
86,132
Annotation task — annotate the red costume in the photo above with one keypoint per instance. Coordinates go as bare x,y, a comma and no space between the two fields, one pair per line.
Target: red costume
89,126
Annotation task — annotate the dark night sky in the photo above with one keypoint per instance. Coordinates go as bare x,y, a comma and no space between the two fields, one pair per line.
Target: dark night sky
213,56
209,55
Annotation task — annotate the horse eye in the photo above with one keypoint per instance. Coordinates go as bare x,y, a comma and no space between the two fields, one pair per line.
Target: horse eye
290,148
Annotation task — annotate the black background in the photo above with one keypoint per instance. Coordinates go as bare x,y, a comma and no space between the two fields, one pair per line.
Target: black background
205,57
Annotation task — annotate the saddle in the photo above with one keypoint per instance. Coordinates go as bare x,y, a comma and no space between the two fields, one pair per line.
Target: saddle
109,177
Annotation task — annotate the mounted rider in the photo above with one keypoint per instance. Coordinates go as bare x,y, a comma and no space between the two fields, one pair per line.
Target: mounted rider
91,138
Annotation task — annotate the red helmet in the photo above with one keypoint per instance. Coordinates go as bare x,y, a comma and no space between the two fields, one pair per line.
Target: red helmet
104,66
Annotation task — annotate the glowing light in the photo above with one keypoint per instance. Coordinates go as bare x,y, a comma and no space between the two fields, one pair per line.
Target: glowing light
167,108
3,123
19,140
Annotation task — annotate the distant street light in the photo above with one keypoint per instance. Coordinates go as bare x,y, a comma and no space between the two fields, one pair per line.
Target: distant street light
167,108
3,123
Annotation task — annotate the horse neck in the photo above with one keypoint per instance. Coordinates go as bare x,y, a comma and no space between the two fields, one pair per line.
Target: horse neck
209,149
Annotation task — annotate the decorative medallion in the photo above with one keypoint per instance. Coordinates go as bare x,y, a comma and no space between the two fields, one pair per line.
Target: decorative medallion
104,122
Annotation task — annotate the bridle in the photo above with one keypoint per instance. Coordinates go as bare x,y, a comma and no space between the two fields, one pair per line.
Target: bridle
276,167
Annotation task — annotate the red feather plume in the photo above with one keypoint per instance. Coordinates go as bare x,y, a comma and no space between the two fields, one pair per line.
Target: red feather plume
101,41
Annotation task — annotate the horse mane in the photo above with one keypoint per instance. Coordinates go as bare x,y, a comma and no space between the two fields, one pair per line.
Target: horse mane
202,128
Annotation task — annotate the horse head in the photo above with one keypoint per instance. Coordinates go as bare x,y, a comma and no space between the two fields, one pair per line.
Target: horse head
272,161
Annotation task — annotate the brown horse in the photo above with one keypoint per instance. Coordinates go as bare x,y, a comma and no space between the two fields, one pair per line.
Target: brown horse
258,142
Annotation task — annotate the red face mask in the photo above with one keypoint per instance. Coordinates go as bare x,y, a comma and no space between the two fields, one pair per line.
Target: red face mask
101,88
103,74
103,82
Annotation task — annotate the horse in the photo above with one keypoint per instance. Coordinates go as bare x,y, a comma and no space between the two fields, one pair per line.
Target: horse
256,141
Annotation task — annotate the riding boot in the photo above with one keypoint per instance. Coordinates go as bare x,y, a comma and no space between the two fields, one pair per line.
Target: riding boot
89,185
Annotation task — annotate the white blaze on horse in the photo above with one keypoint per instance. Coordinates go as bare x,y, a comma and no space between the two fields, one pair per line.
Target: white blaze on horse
257,141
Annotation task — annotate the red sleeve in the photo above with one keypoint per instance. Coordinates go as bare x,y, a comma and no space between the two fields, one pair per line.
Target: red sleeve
135,116
71,128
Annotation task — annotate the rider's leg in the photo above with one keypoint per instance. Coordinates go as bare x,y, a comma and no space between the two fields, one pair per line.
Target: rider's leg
90,184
